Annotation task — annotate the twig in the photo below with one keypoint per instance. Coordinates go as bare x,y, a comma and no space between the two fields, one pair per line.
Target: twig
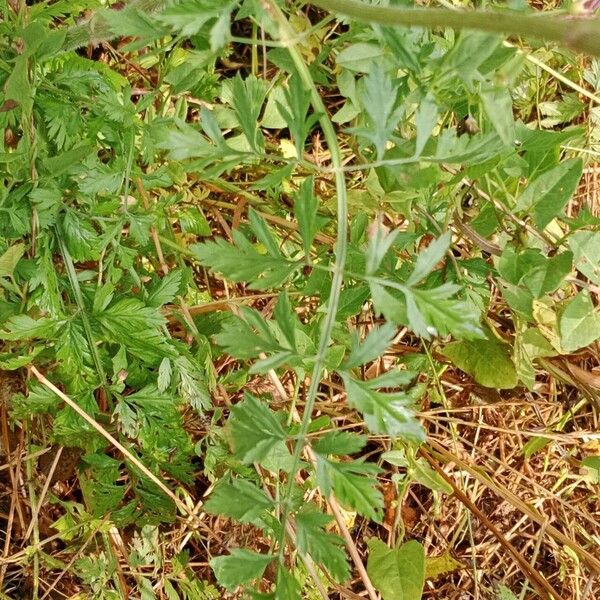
38,507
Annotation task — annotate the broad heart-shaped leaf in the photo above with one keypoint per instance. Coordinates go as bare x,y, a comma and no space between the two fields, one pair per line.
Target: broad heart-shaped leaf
388,413
243,262
397,573
487,361
373,346
325,548
239,568
530,268
548,194
586,250
579,323
255,430
240,500
353,483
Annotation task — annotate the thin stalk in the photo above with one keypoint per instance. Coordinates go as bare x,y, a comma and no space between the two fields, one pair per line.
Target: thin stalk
580,34
286,34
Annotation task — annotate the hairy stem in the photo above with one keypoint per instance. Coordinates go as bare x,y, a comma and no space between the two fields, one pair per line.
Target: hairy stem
581,34
287,34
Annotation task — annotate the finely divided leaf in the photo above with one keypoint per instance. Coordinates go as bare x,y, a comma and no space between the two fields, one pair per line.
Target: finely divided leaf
244,263
255,430
240,500
327,549
427,259
372,347
387,413
353,483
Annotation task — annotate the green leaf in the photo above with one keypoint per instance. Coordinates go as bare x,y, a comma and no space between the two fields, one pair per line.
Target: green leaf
286,319
498,106
398,573
427,259
188,17
487,361
239,568
80,237
18,86
247,99
360,57
380,241
298,101
305,209
165,290
435,312
255,430
263,234
9,260
287,586
579,323
592,465
340,443
353,483
184,141
437,566
326,549
586,251
548,194
240,500
23,327
505,594
379,103
249,336
372,347
423,473
243,262
388,413
136,326
425,121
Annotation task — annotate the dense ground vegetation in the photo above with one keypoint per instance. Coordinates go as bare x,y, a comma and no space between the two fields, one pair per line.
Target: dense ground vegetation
294,305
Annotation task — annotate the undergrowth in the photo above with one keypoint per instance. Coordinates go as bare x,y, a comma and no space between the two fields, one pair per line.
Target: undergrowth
297,305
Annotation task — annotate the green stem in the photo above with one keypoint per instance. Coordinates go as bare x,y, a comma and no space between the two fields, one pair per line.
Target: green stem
286,34
580,34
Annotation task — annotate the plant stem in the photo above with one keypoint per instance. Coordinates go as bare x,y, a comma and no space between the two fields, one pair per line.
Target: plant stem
580,34
286,34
